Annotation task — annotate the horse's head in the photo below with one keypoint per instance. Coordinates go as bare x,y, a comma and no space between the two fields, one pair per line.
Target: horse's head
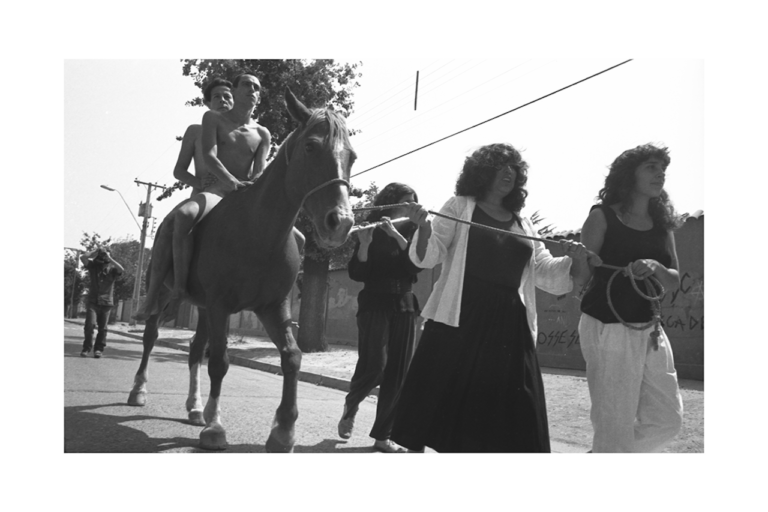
319,157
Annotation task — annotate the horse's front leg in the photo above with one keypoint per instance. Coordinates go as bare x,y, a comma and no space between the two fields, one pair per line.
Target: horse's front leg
138,395
195,399
277,322
213,436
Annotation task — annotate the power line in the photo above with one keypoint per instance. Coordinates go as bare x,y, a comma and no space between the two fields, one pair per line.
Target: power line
373,101
428,86
424,117
492,118
378,115
147,168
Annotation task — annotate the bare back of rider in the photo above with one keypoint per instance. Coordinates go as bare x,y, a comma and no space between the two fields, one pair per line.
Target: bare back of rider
234,150
173,241
175,231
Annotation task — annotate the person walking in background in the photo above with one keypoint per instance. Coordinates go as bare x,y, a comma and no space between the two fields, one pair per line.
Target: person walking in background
103,271
474,384
386,314
636,402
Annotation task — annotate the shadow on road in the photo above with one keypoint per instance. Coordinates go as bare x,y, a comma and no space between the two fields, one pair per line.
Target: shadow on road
331,446
116,350
87,431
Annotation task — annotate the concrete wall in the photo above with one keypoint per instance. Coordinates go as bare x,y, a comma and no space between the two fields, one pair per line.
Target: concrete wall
682,313
558,317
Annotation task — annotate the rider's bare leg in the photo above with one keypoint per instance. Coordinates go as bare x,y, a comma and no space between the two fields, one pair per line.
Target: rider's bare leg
159,266
184,220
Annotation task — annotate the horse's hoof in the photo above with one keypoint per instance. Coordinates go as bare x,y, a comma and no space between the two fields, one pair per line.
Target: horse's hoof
275,446
196,418
138,398
213,437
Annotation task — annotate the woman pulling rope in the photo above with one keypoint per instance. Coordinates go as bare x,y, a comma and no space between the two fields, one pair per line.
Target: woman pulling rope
636,403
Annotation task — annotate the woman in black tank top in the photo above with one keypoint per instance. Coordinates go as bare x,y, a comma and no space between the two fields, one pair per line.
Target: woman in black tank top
636,404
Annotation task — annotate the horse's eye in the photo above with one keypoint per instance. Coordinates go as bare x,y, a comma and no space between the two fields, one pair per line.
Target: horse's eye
308,147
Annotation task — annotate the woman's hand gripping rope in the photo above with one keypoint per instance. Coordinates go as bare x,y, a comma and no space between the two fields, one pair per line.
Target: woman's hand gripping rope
639,270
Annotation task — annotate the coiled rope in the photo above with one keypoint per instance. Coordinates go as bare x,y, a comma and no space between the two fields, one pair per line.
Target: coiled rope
655,295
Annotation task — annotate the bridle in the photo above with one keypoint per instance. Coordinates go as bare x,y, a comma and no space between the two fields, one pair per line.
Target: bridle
322,185
329,182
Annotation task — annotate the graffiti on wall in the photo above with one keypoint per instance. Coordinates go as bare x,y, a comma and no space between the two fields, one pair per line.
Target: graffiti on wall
342,304
682,312
565,338
683,309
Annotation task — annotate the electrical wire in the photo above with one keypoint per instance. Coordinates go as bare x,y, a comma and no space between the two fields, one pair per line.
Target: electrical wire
423,117
492,118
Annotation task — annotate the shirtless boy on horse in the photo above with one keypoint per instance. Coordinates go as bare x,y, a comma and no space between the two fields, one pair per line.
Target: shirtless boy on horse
232,154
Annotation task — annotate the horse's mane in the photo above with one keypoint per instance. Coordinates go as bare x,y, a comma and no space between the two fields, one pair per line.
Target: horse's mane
337,131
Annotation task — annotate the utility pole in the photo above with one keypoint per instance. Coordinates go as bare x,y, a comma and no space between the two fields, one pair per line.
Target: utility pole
146,213
416,93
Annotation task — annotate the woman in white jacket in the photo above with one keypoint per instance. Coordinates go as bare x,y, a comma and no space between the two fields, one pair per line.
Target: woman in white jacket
474,384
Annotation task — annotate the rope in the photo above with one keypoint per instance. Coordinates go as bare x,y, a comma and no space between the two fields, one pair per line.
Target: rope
460,221
655,294
365,225
653,286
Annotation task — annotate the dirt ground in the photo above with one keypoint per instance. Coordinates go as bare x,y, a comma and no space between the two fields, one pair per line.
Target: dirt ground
566,391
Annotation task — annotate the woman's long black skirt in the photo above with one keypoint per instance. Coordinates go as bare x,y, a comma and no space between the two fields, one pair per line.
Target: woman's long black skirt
476,387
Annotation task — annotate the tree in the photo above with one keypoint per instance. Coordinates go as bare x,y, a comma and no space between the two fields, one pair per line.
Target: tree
72,277
314,281
537,219
320,83
124,250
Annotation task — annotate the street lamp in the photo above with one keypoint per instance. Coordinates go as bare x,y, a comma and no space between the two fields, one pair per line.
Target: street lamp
139,262
126,204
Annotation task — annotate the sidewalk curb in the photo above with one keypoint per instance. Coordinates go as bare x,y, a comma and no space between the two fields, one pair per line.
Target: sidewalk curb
311,378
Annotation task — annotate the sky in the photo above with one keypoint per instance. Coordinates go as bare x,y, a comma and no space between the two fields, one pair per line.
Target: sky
121,119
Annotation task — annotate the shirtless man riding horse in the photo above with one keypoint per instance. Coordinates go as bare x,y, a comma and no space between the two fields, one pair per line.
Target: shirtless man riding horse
232,154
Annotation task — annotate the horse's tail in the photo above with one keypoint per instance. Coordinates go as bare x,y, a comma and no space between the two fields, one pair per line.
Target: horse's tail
149,261
148,272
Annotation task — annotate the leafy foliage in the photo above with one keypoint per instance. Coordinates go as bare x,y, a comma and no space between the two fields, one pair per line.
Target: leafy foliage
537,219
320,83
72,276
126,252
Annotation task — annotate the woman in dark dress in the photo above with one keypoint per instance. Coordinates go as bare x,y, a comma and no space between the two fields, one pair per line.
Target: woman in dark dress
386,314
474,384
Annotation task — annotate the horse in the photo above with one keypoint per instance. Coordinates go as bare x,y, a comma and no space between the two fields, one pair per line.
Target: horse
246,258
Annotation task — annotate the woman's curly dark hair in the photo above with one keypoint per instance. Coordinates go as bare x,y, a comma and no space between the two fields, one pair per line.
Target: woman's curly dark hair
391,194
621,180
480,170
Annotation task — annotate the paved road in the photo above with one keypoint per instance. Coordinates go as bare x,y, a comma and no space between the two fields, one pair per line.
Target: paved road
97,418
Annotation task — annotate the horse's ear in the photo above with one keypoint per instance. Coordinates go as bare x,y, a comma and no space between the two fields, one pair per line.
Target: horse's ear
296,108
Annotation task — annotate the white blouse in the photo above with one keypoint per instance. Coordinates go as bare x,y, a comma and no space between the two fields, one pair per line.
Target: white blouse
449,240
